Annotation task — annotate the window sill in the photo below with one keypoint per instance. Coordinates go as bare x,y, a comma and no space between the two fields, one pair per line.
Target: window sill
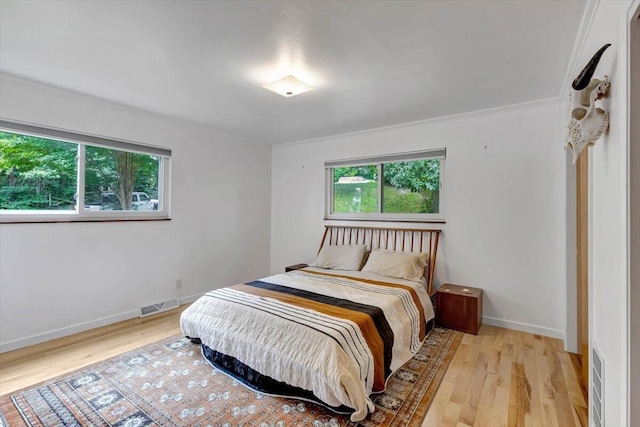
399,218
72,219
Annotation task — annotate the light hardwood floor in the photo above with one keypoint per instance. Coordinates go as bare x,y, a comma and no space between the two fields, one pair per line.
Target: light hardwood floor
497,378
30,365
503,377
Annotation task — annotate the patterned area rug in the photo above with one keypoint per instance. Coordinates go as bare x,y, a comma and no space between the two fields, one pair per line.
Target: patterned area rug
169,383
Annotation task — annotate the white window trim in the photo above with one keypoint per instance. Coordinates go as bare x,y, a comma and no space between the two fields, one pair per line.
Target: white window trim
379,160
82,140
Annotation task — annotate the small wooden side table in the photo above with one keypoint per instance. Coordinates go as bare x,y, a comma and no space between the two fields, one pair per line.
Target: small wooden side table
295,267
459,307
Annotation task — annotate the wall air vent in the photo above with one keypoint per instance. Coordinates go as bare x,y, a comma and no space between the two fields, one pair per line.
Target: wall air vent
157,308
597,378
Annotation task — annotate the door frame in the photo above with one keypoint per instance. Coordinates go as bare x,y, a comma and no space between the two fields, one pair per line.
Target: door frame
582,263
633,203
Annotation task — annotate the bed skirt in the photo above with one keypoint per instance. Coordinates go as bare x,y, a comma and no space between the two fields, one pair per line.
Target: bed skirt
266,385
263,383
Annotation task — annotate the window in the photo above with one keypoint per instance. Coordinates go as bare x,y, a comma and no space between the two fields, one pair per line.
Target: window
52,175
405,186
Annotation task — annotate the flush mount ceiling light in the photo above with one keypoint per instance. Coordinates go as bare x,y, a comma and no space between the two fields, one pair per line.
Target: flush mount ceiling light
288,86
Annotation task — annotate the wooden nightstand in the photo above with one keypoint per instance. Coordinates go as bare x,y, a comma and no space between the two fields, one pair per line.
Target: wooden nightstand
459,308
295,267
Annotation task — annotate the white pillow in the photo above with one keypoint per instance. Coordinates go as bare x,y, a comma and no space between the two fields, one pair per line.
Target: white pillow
340,257
402,265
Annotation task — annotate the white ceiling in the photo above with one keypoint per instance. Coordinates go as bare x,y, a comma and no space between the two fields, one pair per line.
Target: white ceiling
373,63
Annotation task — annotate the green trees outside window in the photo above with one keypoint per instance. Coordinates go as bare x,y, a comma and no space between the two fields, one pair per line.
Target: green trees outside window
355,189
113,176
41,174
37,173
408,187
411,187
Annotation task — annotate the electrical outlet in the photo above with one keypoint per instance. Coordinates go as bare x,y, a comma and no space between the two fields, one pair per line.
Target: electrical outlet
179,284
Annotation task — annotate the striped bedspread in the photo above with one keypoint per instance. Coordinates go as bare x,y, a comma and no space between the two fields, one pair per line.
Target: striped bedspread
337,336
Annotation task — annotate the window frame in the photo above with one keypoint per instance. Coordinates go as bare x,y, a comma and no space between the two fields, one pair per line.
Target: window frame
81,214
378,161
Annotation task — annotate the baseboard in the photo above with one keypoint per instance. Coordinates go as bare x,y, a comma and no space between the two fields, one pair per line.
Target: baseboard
63,332
524,327
80,327
189,299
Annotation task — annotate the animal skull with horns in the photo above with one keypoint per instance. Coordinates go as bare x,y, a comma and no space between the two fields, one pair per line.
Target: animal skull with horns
586,123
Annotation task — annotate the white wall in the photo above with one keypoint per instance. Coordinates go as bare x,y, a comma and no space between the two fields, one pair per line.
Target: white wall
505,205
608,211
61,278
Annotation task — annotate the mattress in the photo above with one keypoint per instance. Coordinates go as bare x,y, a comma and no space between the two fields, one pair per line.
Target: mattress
335,335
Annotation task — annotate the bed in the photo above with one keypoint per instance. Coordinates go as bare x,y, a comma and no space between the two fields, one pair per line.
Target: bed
332,333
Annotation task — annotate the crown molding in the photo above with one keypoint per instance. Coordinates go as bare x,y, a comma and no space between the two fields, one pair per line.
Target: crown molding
129,109
453,117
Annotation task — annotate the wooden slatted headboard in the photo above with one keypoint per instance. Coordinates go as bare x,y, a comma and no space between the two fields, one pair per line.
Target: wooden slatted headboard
396,239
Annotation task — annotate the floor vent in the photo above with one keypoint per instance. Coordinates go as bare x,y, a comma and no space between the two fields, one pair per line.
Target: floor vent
157,308
597,376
